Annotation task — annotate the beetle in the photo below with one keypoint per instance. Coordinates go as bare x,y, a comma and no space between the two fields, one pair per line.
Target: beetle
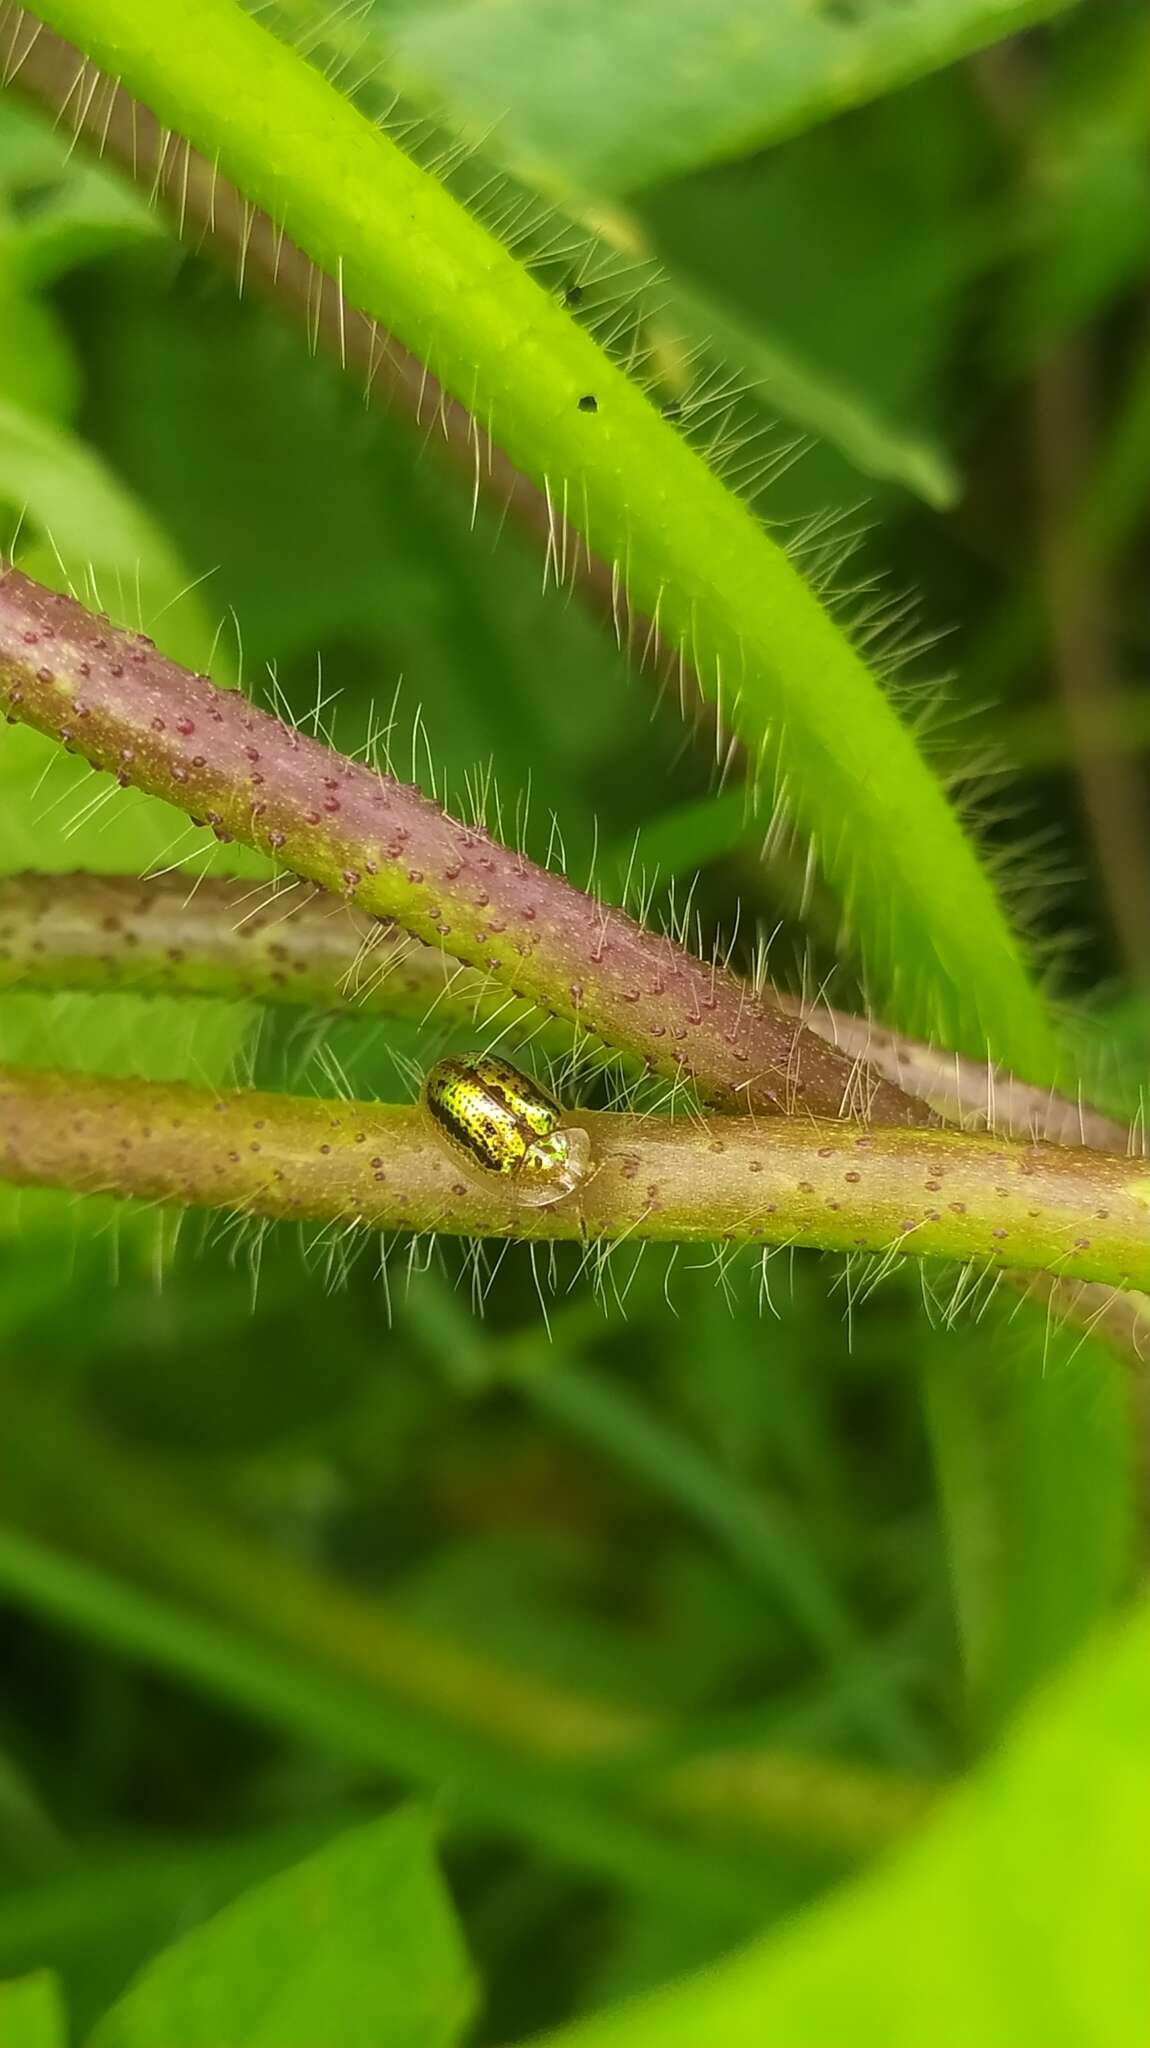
505,1124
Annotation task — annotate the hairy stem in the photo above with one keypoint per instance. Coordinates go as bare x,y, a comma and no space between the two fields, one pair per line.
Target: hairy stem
292,944
981,1097
287,943
684,549
388,849
1079,1215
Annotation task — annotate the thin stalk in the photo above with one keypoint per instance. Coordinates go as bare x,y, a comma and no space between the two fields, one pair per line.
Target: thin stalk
284,942
933,1193
1082,641
981,1097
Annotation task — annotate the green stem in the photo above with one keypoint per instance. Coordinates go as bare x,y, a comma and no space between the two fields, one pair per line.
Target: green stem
388,849
934,1193
287,944
294,945
278,943
685,550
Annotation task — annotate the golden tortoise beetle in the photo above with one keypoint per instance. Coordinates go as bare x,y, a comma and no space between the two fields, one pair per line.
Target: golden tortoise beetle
504,1123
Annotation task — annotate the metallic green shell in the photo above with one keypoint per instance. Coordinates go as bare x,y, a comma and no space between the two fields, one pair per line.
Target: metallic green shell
489,1110
506,1124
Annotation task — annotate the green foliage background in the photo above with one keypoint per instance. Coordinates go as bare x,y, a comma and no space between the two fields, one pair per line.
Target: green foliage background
282,1545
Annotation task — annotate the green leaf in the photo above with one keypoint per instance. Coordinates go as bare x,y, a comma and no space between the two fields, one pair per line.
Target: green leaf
863,367
1040,1536
833,404
31,2015
1087,184
358,1944
86,524
1016,1921
839,411
98,1916
611,97
56,210
88,216
37,372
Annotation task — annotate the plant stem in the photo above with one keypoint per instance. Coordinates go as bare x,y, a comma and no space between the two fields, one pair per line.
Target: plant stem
1000,1204
289,944
981,1097
282,942
683,548
395,854
292,944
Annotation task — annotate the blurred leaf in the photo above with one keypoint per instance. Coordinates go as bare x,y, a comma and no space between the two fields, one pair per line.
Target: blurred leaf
830,275
613,95
677,842
37,370
31,2015
1016,1921
357,1945
379,1726
1086,167
85,216
1040,1545
842,414
55,211
105,1912
29,1838
101,1919
32,150
88,525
